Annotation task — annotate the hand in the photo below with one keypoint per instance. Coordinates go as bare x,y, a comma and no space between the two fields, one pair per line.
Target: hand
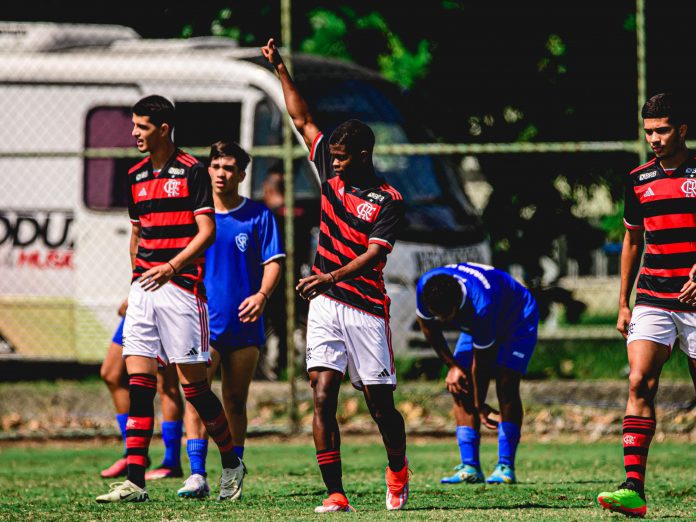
624,320
457,381
314,285
271,53
122,309
251,308
485,413
688,291
156,277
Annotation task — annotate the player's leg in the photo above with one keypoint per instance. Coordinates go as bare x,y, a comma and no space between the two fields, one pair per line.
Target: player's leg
468,425
692,370
113,373
327,361
652,333
172,424
196,485
238,368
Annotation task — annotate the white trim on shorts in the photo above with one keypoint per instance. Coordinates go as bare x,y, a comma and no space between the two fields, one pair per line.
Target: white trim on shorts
664,327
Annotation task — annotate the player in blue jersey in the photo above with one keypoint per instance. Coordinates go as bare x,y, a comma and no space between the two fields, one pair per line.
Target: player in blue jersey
243,268
498,319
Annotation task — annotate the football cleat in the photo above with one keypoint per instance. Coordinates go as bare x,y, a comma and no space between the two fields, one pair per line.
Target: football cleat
164,472
334,503
117,469
464,473
196,486
502,474
624,500
124,492
397,487
231,482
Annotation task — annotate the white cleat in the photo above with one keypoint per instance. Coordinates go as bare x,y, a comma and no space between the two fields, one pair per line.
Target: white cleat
196,486
231,482
124,492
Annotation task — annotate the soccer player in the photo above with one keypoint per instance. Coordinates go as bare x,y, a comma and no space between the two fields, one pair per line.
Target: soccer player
348,325
660,215
499,318
171,211
113,373
243,269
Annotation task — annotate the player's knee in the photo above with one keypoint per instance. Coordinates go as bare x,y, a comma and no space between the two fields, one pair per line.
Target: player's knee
324,401
641,385
111,378
235,402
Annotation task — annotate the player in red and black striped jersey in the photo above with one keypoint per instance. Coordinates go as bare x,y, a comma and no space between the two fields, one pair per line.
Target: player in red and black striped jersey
660,215
171,212
347,326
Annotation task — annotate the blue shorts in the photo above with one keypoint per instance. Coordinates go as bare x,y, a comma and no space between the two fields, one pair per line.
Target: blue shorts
118,334
239,335
514,350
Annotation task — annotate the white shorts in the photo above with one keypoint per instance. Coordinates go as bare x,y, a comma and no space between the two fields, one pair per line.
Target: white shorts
664,327
340,337
169,324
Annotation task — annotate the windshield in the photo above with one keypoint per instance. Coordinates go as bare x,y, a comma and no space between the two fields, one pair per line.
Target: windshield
438,210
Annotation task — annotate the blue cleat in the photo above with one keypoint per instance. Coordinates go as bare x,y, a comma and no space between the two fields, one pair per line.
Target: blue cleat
464,474
502,474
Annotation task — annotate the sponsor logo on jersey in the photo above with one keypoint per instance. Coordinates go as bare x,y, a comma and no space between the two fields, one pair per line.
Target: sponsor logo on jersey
375,196
172,187
365,211
142,192
518,354
141,175
242,241
176,171
650,174
691,170
689,188
648,193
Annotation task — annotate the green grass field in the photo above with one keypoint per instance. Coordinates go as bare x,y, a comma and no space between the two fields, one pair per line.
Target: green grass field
557,482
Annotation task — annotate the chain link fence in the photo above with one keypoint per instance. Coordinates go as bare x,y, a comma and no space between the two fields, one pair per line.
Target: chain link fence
66,145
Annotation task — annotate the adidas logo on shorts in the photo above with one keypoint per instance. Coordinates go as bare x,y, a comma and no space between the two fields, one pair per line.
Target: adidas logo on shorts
384,373
193,351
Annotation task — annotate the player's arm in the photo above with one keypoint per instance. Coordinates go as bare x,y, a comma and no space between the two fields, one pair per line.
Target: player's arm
314,285
295,103
458,379
482,370
161,274
134,242
630,262
253,306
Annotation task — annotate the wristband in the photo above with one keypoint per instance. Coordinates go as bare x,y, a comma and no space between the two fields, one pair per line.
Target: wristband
333,279
171,266
263,294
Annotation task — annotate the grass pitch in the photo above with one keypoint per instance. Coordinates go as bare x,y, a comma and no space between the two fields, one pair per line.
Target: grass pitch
558,481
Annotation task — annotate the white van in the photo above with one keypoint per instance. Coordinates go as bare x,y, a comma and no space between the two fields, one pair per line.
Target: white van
66,91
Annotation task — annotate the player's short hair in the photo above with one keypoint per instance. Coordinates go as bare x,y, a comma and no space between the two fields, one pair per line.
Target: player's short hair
665,105
229,148
441,294
158,108
354,135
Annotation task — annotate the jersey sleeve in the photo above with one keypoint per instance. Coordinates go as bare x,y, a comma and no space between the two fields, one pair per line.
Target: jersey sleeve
269,238
321,157
421,311
388,224
633,217
200,191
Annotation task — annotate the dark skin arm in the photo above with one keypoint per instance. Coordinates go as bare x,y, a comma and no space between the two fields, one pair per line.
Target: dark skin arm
314,285
295,103
458,379
484,363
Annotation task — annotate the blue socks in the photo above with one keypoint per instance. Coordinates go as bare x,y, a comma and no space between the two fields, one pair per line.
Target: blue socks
197,450
171,436
508,439
469,441
239,450
122,419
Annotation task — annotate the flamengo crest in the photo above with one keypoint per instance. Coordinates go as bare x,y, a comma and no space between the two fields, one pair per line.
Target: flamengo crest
365,211
171,187
689,188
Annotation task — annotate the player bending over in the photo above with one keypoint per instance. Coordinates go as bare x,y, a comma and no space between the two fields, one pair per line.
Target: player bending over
113,373
171,211
348,326
660,215
498,317
243,269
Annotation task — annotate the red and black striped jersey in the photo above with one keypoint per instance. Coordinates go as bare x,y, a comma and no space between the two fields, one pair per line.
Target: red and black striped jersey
165,203
351,219
664,205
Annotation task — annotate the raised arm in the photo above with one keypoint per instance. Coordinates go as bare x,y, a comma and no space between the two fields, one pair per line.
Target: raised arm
296,104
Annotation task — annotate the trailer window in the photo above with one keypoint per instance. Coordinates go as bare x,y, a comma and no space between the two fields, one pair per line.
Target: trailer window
198,126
